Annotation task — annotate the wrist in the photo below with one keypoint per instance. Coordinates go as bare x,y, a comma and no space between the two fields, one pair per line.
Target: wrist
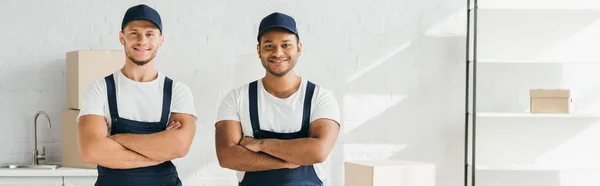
120,138
114,137
261,145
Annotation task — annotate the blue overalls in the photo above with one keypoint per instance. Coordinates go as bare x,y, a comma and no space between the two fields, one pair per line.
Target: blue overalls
301,176
164,174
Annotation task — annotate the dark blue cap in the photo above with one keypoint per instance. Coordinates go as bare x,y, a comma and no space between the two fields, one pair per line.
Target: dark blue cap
142,12
277,20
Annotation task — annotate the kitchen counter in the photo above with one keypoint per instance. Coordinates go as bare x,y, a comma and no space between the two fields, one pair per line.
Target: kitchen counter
61,171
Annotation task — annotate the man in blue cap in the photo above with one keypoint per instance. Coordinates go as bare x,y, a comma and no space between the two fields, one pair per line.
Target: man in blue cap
278,130
133,122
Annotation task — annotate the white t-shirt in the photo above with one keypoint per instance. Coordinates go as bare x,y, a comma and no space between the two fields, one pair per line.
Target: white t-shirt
279,115
138,101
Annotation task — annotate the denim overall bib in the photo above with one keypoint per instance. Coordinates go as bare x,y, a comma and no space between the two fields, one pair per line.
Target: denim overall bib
301,176
164,174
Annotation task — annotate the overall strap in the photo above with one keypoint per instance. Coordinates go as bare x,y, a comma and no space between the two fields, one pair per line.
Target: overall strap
112,96
310,90
252,97
167,94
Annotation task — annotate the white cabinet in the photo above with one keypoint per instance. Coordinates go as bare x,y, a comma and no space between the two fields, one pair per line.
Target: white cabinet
79,181
31,181
64,176
48,181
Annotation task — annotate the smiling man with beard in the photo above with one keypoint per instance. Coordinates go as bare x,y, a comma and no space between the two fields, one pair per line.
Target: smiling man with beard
278,130
133,122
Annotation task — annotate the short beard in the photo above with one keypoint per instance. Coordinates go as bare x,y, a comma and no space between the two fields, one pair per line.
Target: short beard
281,74
140,63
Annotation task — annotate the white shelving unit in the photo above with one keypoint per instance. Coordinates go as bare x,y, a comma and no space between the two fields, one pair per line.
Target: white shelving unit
533,115
515,46
538,62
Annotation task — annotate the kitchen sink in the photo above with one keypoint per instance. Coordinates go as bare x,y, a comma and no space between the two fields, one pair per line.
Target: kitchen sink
36,156
29,166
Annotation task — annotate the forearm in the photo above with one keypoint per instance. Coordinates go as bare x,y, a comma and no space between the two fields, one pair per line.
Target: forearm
163,146
301,151
238,158
108,153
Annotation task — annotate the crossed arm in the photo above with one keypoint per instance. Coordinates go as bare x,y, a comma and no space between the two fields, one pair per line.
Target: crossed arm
249,154
125,151
165,145
233,156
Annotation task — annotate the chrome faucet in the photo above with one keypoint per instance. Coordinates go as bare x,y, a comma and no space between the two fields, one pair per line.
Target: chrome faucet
36,156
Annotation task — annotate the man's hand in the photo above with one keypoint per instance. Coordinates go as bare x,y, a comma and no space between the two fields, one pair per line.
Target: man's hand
291,165
254,145
174,125
251,144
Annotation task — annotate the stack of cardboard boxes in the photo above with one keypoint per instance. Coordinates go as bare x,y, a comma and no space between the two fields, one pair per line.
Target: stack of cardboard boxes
83,68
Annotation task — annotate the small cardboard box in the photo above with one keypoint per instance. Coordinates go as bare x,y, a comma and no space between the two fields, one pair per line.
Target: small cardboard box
87,66
389,173
69,144
550,101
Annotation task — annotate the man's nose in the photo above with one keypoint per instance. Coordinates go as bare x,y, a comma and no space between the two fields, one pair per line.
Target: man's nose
142,39
278,52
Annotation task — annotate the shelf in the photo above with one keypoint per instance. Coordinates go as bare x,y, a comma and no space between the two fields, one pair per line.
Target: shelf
551,8
536,168
536,62
540,5
534,115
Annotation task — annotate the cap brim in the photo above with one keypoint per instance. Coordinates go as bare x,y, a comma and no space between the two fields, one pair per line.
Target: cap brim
144,19
275,26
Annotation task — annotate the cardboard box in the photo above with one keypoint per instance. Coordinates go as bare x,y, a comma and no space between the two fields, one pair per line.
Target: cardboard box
86,66
70,146
550,101
389,173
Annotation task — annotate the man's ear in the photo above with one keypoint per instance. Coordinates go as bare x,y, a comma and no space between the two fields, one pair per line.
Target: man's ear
258,50
121,38
162,39
299,48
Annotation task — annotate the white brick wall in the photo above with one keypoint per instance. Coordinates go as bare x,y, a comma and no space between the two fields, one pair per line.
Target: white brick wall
399,59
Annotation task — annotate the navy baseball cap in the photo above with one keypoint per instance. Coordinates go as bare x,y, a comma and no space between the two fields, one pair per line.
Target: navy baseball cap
277,20
142,12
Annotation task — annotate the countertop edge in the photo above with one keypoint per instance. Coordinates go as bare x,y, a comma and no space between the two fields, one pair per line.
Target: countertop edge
59,172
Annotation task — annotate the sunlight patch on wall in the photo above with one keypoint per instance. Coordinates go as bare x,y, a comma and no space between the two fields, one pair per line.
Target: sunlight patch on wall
377,62
453,25
360,108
